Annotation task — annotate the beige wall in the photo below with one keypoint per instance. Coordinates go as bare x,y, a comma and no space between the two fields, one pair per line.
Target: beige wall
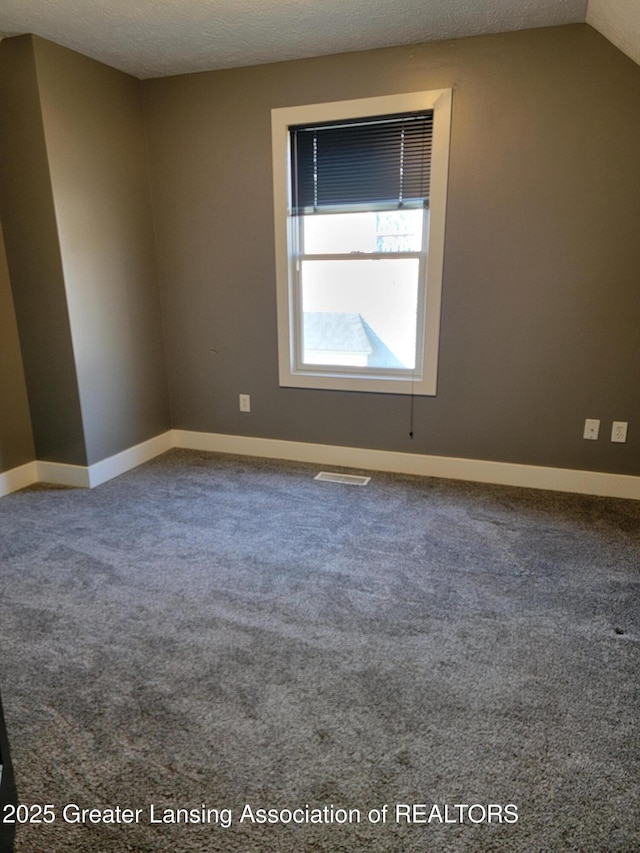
16,440
540,297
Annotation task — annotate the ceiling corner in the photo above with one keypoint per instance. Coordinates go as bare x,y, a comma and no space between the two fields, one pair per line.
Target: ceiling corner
619,22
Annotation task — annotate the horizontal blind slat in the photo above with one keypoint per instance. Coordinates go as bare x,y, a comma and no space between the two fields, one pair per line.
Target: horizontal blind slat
379,160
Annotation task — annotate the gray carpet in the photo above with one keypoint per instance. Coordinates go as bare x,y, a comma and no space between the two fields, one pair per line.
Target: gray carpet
223,631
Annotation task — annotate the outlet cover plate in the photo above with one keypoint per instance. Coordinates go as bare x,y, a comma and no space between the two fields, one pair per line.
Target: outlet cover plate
619,431
591,429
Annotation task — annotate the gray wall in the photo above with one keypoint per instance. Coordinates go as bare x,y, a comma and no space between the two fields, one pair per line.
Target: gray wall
16,440
100,274
97,156
541,295
35,265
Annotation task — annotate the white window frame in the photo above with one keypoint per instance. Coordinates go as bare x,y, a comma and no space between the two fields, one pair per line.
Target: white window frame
423,381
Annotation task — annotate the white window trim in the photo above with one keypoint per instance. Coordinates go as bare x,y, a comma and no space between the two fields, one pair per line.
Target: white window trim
439,101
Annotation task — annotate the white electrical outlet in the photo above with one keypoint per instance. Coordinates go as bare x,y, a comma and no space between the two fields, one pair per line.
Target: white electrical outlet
245,402
591,429
619,431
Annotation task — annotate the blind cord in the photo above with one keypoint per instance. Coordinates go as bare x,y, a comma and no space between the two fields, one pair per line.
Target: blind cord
411,402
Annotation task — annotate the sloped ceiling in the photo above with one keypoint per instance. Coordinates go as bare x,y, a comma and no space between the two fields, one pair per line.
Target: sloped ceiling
619,21
154,38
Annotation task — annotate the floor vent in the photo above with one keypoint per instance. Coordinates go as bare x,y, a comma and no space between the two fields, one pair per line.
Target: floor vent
347,479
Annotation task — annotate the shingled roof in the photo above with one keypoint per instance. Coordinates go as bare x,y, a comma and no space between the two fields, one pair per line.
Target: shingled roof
347,333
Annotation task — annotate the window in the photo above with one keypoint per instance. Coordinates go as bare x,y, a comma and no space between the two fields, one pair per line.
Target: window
360,193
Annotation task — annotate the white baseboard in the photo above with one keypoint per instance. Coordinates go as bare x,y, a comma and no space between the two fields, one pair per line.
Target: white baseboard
88,477
476,470
84,476
60,474
122,462
18,478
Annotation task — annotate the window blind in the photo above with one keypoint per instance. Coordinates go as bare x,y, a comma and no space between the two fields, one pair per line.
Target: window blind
383,162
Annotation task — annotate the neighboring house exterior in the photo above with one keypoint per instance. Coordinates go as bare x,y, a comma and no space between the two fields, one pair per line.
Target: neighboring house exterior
344,339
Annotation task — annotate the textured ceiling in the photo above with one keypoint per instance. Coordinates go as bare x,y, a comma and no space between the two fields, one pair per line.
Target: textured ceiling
155,38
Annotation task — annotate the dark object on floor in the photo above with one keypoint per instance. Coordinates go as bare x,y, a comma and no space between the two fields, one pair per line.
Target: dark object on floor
7,789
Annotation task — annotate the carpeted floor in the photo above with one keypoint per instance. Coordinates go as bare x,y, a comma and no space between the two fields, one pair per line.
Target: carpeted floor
221,632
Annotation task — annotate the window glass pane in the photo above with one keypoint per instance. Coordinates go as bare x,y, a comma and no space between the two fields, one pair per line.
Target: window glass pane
360,313
399,230
369,231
